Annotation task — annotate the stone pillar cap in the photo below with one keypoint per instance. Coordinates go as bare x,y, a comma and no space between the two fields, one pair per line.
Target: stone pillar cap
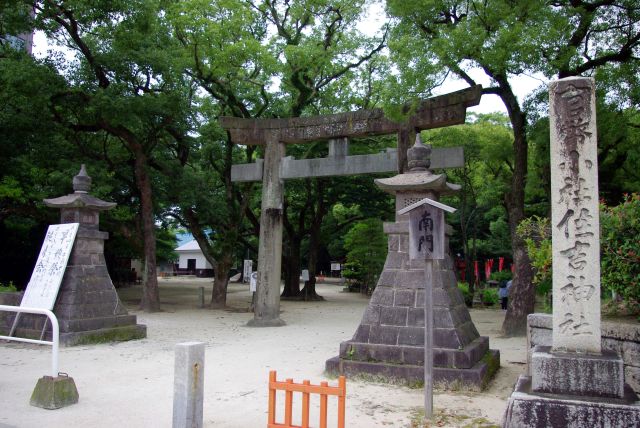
80,198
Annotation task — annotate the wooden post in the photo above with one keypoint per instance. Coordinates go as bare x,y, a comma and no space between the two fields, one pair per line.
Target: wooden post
426,242
267,308
428,339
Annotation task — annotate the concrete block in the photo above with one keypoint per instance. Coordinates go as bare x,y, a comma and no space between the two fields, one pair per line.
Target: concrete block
415,317
410,279
387,278
393,316
188,385
396,260
631,353
54,392
382,296
632,377
387,335
371,315
393,242
577,374
362,333
413,355
404,298
412,336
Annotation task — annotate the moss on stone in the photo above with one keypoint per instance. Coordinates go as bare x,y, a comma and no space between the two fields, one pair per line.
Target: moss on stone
443,417
119,334
53,393
493,364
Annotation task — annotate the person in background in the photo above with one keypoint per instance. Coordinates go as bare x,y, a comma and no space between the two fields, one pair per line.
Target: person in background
503,293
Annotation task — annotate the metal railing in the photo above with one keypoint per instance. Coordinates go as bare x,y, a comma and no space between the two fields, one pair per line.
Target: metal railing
55,332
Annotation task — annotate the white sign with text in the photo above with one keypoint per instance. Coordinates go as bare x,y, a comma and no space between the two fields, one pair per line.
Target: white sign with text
46,278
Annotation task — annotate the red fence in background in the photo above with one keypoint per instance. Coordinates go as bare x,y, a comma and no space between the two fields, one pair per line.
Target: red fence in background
324,390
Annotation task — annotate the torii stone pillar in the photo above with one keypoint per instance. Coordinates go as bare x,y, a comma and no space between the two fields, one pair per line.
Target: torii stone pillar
390,339
267,308
88,307
440,111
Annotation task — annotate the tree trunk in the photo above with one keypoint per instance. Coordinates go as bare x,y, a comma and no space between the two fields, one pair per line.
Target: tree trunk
309,291
468,270
292,269
150,296
522,293
220,282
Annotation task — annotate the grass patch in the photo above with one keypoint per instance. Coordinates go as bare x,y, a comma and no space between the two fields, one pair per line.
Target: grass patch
445,418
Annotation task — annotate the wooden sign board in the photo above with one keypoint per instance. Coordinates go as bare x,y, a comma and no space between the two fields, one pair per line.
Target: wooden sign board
46,278
247,269
426,229
253,283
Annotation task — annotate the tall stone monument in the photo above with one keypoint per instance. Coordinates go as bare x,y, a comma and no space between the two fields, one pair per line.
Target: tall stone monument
390,339
88,308
574,383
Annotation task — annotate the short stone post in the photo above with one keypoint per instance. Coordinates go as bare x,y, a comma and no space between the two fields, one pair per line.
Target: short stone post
188,385
201,297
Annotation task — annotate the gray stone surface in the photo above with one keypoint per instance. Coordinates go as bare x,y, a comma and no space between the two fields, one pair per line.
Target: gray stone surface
575,215
188,385
446,157
586,375
474,378
526,409
623,338
443,110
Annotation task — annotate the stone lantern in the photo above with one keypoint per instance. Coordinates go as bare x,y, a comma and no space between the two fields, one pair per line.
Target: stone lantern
88,307
390,339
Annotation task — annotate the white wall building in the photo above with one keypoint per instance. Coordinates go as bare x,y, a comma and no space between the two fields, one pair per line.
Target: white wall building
190,258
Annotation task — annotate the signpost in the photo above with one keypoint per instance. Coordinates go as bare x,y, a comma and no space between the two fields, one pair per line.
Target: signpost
42,289
246,272
426,242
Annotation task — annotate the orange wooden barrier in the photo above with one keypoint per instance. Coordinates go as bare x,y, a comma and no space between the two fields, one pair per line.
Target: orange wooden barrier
305,388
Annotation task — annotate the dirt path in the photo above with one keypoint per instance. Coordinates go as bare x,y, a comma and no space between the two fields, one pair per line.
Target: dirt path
130,384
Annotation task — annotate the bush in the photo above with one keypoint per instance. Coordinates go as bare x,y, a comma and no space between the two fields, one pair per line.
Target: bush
536,232
468,297
620,249
490,296
366,247
505,275
8,288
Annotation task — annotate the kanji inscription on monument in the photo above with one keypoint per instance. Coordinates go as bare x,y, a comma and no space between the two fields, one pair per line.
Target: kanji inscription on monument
44,284
575,217
426,226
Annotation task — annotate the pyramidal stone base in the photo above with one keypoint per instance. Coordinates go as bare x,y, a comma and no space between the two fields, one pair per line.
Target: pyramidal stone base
389,342
88,307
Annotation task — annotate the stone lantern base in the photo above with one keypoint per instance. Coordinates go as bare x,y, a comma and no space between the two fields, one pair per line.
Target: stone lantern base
389,343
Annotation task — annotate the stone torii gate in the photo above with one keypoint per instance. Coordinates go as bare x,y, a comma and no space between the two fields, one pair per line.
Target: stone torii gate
274,134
